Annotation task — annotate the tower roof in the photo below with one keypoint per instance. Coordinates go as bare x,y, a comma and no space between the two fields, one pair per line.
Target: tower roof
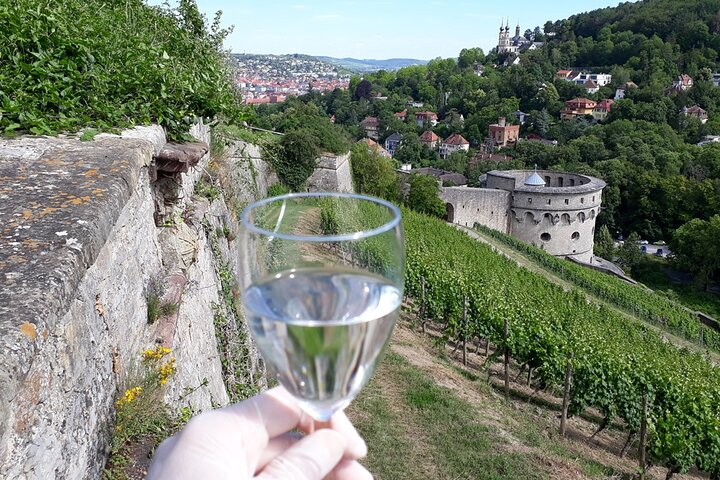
534,180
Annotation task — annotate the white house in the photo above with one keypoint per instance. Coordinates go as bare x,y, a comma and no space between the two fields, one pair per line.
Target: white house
452,144
601,79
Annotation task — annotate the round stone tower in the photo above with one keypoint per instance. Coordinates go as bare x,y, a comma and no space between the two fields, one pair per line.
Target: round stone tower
555,211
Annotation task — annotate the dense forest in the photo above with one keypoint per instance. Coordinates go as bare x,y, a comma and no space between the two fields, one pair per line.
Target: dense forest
646,150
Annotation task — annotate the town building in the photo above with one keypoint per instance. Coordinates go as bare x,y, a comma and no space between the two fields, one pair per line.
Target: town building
602,109
429,139
454,143
695,112
375,147
683,82
591,81
444,177
508,44
371,125
401,115
555,211
567,75
591,87
620,91
520,115
707,139
422,117
502,134
577,107
715,79
600,79
392,143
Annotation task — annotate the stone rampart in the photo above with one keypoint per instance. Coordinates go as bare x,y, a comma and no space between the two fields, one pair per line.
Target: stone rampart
333,174
467,206
86,230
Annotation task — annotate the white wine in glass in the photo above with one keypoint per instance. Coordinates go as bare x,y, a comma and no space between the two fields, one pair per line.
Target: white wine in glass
324,291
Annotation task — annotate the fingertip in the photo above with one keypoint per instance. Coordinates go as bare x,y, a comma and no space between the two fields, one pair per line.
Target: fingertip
357,448
315,456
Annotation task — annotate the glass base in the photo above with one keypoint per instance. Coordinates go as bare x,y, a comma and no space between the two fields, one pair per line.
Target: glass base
323,411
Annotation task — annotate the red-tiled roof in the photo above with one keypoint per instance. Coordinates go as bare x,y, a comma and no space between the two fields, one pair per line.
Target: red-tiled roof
456,139
370,122
590,84
401,114
425,114
605,104
429,136
581,102
373,145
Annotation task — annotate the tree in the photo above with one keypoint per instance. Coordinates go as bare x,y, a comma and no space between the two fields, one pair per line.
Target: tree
470,56
423,196
410,151
363,90
372,173
604,244
696,248
296,158
630,253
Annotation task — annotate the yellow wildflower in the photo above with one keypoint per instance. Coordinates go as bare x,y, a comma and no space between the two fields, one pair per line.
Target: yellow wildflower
166,370
129,395
155,353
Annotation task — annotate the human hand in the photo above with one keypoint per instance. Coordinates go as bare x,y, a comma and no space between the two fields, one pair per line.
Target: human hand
254,440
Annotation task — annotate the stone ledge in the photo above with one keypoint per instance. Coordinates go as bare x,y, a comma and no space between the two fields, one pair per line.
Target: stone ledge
59,200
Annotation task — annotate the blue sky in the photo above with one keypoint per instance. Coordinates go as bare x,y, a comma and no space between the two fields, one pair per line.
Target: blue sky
380,29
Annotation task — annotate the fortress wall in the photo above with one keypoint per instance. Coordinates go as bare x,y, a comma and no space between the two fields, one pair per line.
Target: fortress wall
485,206
333,174
558,232
79,252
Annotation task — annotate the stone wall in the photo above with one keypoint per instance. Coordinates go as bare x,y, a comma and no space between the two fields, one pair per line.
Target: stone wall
487,207
333,174
80,249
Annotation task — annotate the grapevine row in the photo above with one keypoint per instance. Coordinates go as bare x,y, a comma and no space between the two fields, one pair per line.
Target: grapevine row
649,306
615,362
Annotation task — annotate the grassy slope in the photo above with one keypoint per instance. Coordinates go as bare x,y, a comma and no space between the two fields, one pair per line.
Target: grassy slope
425,416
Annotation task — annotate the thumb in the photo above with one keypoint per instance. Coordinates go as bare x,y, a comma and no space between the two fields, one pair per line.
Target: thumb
312,458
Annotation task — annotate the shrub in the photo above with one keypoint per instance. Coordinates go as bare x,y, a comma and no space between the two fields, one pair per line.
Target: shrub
296,158
104,64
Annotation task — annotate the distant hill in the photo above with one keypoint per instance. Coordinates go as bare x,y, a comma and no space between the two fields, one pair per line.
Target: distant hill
370,65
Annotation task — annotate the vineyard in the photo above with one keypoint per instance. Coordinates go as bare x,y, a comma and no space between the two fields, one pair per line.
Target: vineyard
473,292
647,305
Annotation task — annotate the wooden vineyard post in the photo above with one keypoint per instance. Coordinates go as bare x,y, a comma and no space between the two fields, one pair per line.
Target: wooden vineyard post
566,394
506,328
465,330
643,437
422,302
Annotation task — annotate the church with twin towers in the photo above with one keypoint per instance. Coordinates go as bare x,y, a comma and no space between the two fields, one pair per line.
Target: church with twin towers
508,44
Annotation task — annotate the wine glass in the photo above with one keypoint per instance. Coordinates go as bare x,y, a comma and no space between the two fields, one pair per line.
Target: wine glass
324,291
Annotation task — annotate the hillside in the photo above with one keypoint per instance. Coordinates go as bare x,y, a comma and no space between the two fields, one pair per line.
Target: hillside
369,65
